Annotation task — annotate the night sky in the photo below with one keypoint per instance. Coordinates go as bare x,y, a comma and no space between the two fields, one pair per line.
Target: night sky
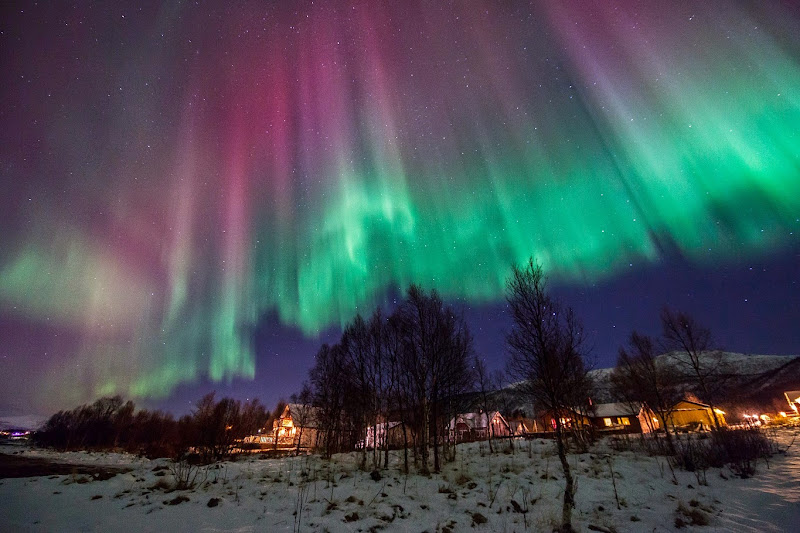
196,195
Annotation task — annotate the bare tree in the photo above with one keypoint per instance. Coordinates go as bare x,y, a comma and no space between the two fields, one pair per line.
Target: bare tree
546,350
692,348
253,416
302,413
436,350
400,390
361,409
214,423
641,378
485,385
384,378
276,416
328,377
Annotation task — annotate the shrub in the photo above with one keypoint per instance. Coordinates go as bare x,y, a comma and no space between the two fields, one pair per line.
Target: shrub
691,516
740,449
186,475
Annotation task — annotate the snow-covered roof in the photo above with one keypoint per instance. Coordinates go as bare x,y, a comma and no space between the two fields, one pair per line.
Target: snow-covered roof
310,415
693,402
474,420
616,409
382,426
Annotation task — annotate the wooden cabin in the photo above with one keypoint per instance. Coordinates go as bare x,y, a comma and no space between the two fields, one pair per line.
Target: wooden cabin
691,414
467,427
571,419
623,418
379,434
523,426
296,425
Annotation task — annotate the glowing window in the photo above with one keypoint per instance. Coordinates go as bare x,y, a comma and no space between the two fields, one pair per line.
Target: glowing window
607,421
624,420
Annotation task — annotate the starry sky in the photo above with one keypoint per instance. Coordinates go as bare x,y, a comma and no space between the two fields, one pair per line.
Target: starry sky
196,195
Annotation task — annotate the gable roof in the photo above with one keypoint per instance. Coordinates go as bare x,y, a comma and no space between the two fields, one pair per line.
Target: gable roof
698,405
476,420
605,410
309,413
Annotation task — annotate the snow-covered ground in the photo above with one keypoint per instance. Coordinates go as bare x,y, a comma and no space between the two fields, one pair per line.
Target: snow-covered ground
518,491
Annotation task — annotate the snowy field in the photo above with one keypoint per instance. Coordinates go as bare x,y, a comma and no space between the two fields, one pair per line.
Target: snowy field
504,491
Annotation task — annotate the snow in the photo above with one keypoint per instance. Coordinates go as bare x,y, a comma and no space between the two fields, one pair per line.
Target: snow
257,494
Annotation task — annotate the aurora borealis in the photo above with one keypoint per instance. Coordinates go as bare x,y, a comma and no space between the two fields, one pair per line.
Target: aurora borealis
174,173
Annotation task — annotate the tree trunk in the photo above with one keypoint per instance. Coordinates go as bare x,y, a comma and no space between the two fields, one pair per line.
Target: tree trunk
299,440
714,415
436,464
423,446
489,430
405,447
569,487
670,444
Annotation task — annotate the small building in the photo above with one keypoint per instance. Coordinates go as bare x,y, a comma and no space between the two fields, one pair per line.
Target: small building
297,425
379,434
467,427
576,418
690,414
623,418
522,426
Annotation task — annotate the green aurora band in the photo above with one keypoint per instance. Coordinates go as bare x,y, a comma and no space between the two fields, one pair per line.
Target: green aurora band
329,165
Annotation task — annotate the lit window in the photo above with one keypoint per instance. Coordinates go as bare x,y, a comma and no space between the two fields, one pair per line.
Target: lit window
624,420
607,421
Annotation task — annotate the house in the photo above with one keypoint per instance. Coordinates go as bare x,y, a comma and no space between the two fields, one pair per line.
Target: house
296,427
793,397
570,419
378,435
623,418
523,426
477,426
690,413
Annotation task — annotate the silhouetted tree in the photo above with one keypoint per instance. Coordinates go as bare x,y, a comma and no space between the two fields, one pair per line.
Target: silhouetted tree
214,423
641,378
436,351
692,348
485,385
252,417
328,378
546,351
302,413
